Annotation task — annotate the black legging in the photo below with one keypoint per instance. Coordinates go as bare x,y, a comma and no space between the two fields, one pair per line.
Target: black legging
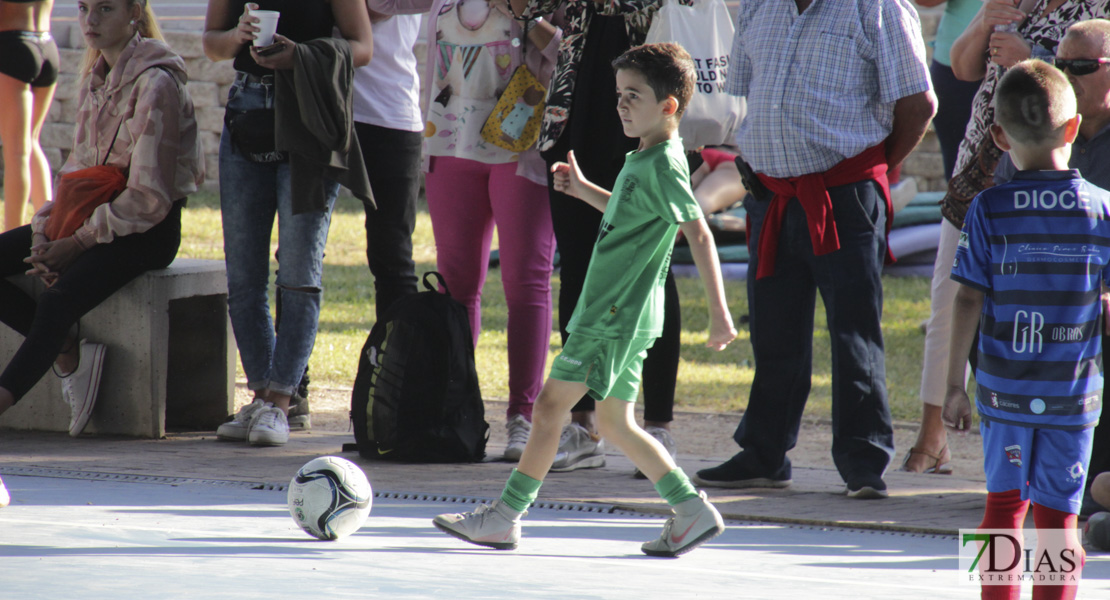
95,275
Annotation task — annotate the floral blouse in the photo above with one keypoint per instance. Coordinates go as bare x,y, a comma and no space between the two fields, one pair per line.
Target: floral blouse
577,16
1044,34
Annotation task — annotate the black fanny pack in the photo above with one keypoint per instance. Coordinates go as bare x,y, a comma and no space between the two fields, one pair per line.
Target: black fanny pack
252,134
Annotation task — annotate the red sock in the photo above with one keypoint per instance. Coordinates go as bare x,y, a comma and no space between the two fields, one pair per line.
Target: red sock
1050,518
1005,510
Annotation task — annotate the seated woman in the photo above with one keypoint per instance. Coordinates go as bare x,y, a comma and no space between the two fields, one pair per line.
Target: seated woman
135,115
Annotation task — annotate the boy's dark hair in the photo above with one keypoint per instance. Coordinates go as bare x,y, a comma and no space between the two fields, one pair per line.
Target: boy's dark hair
1033,102
667,67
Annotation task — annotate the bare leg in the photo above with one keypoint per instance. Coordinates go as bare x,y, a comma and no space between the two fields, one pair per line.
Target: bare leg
617,421
279,400
15,133
720,189
932,438
551,408
41,188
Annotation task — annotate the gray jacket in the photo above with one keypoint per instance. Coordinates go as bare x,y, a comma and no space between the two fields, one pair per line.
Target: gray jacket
315,124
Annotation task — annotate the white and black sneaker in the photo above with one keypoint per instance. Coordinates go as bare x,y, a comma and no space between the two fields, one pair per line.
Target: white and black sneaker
298,417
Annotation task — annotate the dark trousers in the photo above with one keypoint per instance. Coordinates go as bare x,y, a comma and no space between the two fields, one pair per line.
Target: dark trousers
954,99
393,163
96,274
782,308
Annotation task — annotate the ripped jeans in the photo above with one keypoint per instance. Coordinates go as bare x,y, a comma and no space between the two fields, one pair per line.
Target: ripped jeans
251,195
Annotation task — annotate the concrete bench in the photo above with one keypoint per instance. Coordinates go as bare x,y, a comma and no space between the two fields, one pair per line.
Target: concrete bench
170,361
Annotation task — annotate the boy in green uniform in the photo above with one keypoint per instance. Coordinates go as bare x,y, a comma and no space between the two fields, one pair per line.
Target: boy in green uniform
620,311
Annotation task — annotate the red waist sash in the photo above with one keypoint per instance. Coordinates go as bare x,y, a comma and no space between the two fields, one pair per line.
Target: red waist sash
812,191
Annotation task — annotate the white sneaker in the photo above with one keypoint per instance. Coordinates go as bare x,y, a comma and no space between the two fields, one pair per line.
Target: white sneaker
664,437
5,497
494,525
578,449
235,428
268,427
695,522
519,430
79,388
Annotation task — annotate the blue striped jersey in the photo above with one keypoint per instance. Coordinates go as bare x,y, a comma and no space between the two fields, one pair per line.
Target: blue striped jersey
1038,248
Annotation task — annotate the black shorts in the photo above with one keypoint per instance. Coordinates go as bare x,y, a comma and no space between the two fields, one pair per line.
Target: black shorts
29,56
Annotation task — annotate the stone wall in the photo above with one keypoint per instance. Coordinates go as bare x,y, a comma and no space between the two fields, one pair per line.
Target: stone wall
209,83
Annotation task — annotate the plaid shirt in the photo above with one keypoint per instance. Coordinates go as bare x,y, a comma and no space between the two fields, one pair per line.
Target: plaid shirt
821,86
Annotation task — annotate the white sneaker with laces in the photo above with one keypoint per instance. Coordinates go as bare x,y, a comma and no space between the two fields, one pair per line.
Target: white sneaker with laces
268,427
664,437
519,430
79,388
578,449
235,428
493,525
695,522
5,497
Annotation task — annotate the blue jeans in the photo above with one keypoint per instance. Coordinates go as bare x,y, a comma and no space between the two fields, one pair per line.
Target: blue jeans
782,307
251,195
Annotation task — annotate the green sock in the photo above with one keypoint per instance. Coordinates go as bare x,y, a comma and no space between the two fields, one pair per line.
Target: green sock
675,487
520,491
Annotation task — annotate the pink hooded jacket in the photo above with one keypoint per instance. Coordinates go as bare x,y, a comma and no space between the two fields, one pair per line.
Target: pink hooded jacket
144,97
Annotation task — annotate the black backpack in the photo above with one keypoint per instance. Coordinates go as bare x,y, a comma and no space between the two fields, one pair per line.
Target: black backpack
416,395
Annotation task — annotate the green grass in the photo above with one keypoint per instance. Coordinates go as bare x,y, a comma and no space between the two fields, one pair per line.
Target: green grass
708,380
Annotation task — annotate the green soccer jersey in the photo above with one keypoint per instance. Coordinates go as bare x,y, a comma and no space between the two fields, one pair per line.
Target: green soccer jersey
622,297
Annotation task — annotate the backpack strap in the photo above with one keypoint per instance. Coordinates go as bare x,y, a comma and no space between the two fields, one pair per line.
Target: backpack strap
432,288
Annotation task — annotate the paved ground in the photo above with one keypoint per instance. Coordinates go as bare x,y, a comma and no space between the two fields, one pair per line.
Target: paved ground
919,503
109,539
189,516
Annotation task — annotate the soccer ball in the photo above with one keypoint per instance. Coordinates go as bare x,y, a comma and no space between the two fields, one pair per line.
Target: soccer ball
330,497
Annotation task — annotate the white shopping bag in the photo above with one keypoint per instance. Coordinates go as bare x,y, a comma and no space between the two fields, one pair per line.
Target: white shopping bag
705,30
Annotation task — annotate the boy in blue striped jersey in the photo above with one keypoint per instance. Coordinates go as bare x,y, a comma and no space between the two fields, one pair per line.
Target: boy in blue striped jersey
1032,262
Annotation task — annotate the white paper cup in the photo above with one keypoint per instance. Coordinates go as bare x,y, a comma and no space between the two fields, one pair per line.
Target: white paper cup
267,26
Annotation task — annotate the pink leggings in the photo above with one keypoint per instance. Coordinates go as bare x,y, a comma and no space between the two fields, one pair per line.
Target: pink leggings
466,199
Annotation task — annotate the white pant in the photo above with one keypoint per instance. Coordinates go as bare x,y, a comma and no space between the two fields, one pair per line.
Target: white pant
938,329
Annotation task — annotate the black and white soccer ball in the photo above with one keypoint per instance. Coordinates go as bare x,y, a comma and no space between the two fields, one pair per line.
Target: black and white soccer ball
330,497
